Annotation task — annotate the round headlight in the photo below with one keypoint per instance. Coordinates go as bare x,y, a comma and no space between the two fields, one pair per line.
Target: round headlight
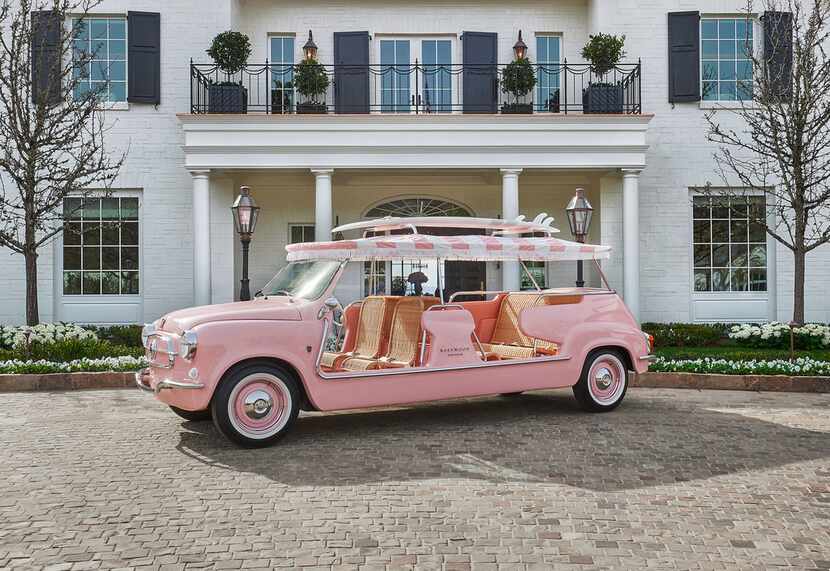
187,345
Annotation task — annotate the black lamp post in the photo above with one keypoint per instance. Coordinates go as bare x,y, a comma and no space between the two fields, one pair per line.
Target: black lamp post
245,212
579,219
310,48
520,48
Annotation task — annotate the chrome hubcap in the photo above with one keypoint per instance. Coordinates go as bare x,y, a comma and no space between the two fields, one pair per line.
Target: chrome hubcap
258,404
604,378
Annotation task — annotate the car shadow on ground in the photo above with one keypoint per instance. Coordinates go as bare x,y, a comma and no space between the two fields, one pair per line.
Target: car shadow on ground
540,437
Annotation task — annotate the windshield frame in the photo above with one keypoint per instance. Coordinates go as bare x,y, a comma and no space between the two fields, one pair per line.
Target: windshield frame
328,271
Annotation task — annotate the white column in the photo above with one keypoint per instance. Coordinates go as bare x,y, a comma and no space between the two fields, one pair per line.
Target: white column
322,204
631,240
201,237
510,210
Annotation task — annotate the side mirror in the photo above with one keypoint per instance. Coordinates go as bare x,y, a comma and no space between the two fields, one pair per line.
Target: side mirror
329,305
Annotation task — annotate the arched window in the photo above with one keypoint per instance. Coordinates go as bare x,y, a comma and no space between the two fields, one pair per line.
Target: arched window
406,207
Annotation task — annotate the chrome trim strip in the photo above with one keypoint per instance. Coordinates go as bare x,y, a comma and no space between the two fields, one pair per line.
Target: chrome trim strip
416,370
171,384
648,357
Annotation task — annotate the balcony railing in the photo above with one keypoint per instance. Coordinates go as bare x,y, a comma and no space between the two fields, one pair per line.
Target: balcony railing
416,89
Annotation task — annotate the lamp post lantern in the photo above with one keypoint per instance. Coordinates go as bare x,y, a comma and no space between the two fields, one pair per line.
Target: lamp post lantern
579,212
520,48
310,48
245,213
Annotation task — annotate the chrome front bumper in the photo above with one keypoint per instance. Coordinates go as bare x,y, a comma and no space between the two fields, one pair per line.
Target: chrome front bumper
164,384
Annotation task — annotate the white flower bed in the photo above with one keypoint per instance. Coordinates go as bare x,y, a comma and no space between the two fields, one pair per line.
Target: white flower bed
803,366
44,333
116,364
775,330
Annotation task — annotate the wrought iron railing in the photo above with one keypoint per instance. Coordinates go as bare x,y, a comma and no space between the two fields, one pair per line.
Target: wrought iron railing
416,89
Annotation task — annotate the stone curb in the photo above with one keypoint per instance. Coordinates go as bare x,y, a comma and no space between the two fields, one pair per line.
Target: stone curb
65,381
767,383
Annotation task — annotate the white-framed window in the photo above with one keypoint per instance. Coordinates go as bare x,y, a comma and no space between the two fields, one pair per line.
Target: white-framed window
398,89
539,273
548,54
103,41
729,245
101,246
374,278
281,51
726,47
298,233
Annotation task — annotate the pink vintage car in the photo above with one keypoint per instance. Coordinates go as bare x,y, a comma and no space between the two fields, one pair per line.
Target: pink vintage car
252,366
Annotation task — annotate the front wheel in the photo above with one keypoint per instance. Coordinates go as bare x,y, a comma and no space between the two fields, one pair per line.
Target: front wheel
603,382
256,405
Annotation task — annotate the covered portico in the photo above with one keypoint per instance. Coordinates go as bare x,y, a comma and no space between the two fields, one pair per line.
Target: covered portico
496,160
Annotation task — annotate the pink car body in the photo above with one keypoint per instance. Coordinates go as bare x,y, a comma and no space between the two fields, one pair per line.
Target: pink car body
193,351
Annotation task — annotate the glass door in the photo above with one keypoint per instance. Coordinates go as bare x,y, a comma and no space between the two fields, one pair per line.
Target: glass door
415,75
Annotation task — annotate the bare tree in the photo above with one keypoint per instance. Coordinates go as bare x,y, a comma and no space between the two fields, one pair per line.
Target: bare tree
778,145
52,128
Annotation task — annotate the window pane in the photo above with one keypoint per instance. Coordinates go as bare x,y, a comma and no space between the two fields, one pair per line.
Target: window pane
92,258
91,233
72,208
703,255
129,208
726,29
738,280
720,231
98,28
118,51
72,233
757,232
739,256
700,206
110,282
71,283
727,70
703,280
91,209
109,258
710,70
743,29
91,283
720,208
709,29
109,208
709,49
118,71
757,280
758,255
117,28
129,282
738,231
702,231
710,90
720,255
109,233
129,258
720,280
728,91
71,258
129,233
118,91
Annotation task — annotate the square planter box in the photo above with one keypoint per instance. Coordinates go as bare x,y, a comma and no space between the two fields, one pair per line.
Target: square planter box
602,98
311,108
517,108
227,99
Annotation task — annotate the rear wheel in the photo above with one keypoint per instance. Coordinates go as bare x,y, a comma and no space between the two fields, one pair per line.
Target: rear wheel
603,382
193,415
256,405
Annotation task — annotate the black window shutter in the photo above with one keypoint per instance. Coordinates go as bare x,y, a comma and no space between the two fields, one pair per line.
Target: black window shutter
778,53
684,56
144,57
351,72
46,56
480,55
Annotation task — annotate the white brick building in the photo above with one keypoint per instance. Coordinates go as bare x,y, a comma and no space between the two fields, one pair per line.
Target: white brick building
309,172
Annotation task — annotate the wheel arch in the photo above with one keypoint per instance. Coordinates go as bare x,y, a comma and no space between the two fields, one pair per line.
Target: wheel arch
628,358
289,368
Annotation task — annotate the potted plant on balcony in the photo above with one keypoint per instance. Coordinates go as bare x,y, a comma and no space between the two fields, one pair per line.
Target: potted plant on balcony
603,51
311,81
281,97
518,79
551,104
230,51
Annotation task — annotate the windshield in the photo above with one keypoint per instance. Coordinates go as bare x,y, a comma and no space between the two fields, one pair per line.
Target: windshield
307,280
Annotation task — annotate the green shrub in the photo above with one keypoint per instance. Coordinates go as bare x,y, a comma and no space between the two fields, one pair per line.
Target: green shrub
684,334
310,79
604,51
518,78
72,349
128,335
230,50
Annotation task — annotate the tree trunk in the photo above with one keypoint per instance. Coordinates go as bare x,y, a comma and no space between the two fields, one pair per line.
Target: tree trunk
798,286
32,317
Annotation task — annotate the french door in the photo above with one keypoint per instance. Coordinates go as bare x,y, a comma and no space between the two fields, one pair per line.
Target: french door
416,75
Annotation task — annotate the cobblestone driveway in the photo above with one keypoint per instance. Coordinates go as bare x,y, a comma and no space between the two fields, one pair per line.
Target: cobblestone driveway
673,479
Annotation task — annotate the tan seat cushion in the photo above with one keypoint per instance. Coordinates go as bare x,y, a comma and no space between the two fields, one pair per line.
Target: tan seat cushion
507,333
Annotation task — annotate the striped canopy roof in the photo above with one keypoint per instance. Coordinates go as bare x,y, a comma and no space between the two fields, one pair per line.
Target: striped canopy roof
472,247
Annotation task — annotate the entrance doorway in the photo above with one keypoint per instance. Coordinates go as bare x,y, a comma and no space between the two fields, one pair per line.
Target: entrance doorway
413,277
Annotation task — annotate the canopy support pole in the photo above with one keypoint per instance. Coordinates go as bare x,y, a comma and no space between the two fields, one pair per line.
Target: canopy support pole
532,280
440,289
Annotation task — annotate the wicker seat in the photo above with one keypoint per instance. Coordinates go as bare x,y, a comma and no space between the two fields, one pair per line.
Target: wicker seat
508,340
372,324
404,338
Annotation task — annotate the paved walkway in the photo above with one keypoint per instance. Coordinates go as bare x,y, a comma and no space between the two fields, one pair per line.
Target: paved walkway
675,479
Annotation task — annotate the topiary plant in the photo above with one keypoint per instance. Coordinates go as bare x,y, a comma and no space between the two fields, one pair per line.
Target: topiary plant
310,79
230,50
518,78
604,51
